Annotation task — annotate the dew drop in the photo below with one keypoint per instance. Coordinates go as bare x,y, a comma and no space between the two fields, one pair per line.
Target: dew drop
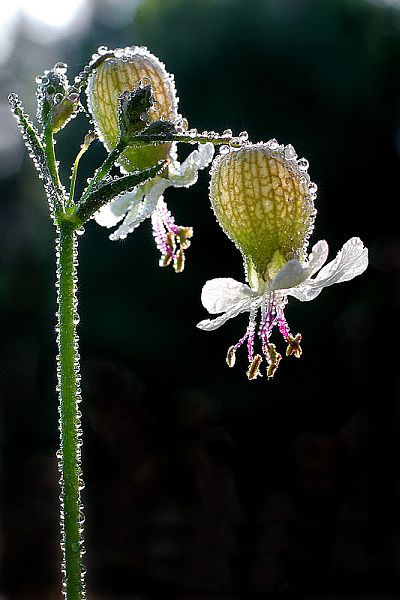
290,152
303,164
81,230
102,49
144,81
60,68
272,144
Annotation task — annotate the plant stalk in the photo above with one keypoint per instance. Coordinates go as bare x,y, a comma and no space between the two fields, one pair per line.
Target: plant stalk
69,454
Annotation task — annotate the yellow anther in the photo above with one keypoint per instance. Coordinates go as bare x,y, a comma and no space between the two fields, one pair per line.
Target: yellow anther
254,368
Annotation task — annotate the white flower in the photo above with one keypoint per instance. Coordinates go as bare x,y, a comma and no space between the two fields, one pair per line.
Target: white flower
147,201
230,297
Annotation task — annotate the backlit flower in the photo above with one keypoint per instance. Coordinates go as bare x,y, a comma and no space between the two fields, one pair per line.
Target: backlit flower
264,200
127,70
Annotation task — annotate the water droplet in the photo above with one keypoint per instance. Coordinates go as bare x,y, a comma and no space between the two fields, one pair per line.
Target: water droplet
303,164
45,80
272,144
60,68
243,136
290,152
224,149
102,49
144,81
38,79
81,230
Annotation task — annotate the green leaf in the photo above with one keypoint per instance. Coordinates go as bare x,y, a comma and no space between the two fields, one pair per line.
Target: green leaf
112,189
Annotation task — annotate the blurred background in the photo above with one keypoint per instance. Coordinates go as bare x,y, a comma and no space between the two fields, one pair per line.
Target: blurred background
200,484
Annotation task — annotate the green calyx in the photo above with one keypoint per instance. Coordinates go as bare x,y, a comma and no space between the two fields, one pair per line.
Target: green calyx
126,94
57,102
264,201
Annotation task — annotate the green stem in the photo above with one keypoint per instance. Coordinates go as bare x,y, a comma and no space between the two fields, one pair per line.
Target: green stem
51,161
69,415
187,138
102,171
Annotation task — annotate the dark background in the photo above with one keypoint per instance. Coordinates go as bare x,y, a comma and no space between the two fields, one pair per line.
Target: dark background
200,484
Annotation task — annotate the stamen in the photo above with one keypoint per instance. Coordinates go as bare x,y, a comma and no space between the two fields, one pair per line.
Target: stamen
231,356
294,345
282,323
250,334
254,368
169,237
267,324
274,360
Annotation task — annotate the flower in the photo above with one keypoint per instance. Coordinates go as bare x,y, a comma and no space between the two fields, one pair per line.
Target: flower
264,200
128,69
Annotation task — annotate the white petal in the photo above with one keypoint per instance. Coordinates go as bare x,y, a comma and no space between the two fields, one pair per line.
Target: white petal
221,294
140,210
110,214
291,275
206,153
304,292
211,324
186,174
351,260
318,256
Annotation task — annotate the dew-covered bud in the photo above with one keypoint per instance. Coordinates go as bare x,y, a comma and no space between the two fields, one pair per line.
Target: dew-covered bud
131,69
61,112
264,201
57,102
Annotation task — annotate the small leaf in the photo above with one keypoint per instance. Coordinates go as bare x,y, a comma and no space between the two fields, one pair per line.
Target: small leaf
112,189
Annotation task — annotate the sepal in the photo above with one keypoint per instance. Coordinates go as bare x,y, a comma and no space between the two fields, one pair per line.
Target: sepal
133,111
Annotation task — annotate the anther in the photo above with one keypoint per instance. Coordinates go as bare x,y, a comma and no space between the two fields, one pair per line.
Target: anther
254,368
274,360
231,356
294,345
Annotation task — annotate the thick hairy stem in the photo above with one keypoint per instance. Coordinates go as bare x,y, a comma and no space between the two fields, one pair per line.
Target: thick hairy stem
69,454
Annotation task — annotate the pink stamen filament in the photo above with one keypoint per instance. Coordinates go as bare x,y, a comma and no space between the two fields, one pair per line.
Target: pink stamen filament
282,323
249,336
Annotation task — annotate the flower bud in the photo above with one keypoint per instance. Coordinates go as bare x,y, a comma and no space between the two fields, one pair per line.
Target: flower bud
264,201
57,102
128,70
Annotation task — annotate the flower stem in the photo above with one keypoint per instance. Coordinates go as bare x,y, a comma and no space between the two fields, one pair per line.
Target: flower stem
104,169
52,163
69,415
